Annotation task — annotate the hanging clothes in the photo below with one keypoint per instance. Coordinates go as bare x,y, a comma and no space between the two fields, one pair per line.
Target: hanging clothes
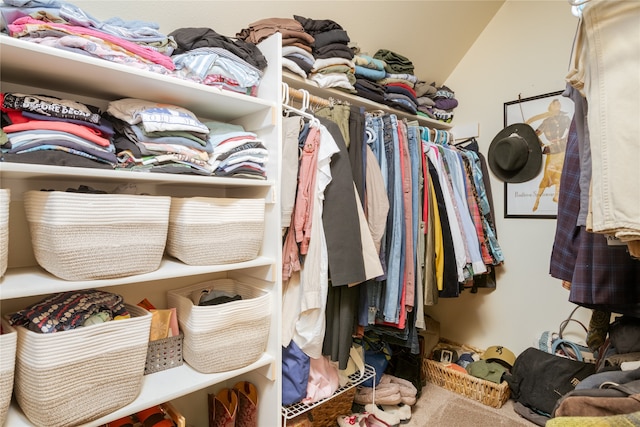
605,51
291,127
601,276
305,293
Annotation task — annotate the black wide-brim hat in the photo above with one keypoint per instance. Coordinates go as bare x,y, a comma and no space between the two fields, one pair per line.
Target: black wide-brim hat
515,154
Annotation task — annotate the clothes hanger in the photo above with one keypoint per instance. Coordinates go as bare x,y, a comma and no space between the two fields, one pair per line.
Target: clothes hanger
425,137
288,108
441,137
577,6
464,142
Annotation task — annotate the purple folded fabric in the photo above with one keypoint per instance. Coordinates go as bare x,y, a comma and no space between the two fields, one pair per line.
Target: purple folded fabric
446,103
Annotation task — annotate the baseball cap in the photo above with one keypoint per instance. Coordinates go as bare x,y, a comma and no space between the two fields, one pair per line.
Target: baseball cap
490,371
500,354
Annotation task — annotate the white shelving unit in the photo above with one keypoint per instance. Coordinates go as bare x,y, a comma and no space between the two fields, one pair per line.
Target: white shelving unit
30,68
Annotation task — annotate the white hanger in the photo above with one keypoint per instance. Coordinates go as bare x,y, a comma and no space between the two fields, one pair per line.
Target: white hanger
313,120
577,6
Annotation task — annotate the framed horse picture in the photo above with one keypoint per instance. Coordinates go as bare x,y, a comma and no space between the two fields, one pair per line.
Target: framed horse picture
550,116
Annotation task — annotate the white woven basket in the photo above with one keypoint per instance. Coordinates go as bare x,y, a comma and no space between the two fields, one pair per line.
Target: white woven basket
8,342
76,376
5,198
223,337
208,231
86,236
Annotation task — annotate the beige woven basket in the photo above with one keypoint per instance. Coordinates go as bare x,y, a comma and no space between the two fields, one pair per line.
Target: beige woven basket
76,376
223,337
208,231
483,391
8,342
81,236
5,198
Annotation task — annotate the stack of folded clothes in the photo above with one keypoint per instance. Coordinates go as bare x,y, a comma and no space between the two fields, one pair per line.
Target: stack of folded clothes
333,65
445,103
297,44
195,54
236,152
399,81
212,59
50,130
368,72
435,102
425,94
159,137
65,26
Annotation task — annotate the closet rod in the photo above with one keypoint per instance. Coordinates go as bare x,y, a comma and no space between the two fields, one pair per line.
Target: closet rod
298,95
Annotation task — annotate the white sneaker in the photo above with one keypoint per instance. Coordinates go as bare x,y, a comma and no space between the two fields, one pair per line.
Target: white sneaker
388,417
403,412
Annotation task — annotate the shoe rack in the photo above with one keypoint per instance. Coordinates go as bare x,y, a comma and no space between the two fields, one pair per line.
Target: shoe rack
355,379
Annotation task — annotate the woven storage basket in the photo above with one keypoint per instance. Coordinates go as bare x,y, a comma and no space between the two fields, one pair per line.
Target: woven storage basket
207,231
86,236
327,413
162,354
5,198
76,376
8,342
483,391
227,336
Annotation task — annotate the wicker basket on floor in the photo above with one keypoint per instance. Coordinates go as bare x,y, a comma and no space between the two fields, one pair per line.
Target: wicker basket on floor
483,391
327,413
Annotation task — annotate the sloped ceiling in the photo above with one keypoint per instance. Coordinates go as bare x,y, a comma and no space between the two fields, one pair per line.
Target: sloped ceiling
434,35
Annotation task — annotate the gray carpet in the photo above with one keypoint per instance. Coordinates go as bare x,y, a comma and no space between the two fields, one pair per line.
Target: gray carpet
443,408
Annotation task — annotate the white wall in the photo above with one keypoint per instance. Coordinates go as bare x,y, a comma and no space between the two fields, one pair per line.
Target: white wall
523,51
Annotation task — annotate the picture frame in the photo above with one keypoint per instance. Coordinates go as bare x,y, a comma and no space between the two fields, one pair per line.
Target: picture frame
550,115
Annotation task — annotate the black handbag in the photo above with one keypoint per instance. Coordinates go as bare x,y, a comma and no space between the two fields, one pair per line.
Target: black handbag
538,379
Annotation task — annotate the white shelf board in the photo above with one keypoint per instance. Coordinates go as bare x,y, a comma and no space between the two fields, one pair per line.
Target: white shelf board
158,388
28,63
310,86
31,281
37,171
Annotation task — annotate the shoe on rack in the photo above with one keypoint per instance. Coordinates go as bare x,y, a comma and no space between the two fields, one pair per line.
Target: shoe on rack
247,404
223,408
408,391
385,394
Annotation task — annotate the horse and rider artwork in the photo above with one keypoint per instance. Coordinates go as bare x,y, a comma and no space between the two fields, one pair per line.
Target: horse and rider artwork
528,154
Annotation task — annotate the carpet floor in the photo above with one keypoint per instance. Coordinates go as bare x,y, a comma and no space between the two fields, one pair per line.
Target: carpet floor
440,407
